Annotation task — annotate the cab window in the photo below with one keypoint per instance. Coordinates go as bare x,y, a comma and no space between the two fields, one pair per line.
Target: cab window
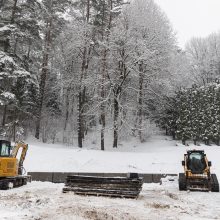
5,150
197,156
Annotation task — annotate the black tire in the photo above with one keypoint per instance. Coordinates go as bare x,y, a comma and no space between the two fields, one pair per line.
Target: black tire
182,182
214,183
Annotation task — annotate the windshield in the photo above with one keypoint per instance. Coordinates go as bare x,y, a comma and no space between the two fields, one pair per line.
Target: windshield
195,155
196,162
4,150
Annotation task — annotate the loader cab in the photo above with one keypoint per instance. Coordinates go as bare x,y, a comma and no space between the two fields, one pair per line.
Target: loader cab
5,148
196,161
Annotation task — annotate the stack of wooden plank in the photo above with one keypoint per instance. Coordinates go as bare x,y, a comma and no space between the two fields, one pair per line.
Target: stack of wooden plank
104,186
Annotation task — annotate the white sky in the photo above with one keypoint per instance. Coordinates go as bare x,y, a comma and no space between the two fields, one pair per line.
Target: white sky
192,18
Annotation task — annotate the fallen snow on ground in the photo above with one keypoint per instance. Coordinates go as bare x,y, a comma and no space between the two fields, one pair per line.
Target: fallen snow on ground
39,201
160,154
42,201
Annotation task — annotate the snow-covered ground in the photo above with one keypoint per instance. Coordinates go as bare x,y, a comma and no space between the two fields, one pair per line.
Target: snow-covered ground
44,200
160,154
39,201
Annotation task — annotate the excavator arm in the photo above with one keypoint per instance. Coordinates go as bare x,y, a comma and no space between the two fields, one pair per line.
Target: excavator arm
14,154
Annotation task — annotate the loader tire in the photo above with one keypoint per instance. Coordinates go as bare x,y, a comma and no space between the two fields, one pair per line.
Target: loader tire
182,182
214,183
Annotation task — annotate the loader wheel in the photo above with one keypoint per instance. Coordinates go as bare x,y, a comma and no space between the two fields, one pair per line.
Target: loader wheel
182,182
214,183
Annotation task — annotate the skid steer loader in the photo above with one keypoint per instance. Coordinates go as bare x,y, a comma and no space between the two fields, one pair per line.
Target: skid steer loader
11,168
197,175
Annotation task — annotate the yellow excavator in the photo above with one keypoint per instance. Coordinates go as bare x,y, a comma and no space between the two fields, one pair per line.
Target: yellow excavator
11,167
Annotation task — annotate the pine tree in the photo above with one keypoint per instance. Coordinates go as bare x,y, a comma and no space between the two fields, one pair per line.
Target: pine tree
216,116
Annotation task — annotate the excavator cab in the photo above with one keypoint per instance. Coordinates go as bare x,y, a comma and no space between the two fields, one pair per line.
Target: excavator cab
8,165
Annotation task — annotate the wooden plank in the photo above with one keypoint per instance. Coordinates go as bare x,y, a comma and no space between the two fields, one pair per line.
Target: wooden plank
105,183
106,186
102,192
108,195
80,177
86,179
107,189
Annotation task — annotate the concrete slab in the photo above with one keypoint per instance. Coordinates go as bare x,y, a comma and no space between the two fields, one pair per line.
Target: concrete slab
115,174
156,177
41,176
60,177
91,174
148,178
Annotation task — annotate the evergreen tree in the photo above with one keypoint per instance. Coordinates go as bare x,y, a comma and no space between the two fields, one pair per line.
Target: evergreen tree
197,114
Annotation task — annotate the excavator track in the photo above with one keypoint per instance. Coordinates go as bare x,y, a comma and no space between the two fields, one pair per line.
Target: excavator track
14,182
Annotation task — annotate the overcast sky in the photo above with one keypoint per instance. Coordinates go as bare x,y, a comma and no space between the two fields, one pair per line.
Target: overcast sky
192,18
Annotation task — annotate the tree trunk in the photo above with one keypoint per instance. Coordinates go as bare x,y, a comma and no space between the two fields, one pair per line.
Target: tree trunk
103,101
82,88
67,109
14,131
14,125
206,142
15,46
80,138
29,49
43,77
88,11
104,67
37,131
4,115
13,12
81,100
116,113
140,102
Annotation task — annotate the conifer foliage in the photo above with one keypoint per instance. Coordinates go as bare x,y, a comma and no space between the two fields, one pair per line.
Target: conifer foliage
195,114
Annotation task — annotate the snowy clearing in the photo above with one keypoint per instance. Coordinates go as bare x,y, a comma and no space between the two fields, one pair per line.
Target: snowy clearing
39,200
159,155
44,200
